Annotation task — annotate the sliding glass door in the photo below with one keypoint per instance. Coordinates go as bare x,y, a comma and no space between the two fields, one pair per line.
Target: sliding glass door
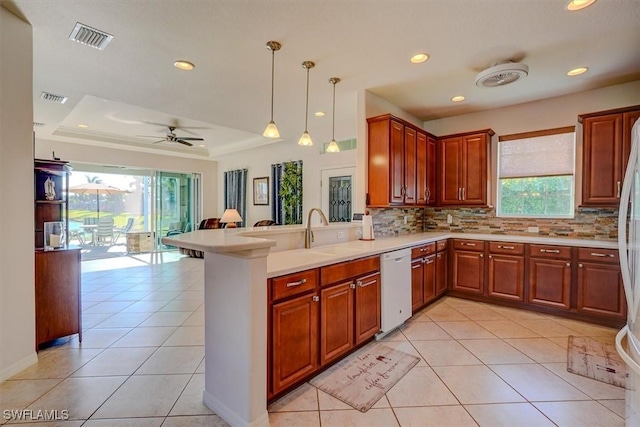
177,204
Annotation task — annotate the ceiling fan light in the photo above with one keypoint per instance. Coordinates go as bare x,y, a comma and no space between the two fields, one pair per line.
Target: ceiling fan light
184,65
271,131
333,147
577,71
574,5
305,139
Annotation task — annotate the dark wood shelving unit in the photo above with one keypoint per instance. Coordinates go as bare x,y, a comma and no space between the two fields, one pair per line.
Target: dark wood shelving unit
57,271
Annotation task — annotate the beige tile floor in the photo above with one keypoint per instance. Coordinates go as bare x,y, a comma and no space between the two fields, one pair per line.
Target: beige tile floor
141,363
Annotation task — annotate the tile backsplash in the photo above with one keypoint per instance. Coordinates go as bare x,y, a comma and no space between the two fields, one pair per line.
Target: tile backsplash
588,223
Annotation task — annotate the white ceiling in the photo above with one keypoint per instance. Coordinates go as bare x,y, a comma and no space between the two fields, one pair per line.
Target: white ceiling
116,92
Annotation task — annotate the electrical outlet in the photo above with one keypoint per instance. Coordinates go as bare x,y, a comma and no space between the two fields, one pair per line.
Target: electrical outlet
449,219
340,234
533,229
406,219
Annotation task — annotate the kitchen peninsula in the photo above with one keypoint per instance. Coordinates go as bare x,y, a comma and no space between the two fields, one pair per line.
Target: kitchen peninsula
239,264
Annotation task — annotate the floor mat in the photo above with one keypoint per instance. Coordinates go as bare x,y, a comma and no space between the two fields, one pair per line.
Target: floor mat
362,378
594,359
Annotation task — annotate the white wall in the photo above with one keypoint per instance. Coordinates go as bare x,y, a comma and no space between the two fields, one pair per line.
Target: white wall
17,296
109,156
258,162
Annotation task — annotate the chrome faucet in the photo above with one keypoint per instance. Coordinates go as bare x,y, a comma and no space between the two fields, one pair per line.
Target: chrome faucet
308,234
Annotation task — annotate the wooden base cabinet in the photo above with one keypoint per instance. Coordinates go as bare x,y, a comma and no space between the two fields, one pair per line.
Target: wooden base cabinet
57,289
423,275
506,271
468,266
550,276
600,289
368,306
336,321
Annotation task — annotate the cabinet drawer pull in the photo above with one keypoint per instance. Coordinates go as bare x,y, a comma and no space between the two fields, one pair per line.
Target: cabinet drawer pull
315,298
352,285
550,251
505,247
413,267
467,244
439,255
424,249
298,283
601,255
364,285
428,261
568,264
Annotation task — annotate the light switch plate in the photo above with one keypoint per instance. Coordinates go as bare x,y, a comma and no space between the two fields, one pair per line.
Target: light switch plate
533,229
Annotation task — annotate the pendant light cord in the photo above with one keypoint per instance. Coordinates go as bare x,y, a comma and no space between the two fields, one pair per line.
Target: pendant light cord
273,55
306,111
333,115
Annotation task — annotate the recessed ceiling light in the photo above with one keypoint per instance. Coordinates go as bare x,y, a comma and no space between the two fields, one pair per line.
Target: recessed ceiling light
458,98
577,71
81,126
319,114
574,5
419,58
184,65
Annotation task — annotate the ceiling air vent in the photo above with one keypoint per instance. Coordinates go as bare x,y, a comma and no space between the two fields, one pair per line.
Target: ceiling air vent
38,124
60,99
90,36
501,74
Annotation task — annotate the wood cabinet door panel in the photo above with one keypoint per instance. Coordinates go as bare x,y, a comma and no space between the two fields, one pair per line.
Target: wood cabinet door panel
474,170
450,163
417,289
506,277
422,169
294,340
410,165
600,290
431,171
441,273
367,311
468,272
550,283
336,321
396,163
429,280
602,159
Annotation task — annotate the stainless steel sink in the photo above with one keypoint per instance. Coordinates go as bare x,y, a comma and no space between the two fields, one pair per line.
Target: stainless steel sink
335,250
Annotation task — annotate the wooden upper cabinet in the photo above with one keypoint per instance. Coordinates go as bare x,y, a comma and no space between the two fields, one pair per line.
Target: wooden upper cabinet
463,168
399,166
606,146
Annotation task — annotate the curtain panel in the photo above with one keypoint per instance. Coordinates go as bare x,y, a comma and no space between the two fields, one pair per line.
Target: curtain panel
287,192
235,192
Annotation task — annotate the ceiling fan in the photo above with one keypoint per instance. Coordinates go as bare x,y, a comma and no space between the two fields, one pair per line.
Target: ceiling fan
170,136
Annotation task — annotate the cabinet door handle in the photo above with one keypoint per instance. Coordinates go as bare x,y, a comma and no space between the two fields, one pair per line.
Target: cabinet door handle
568,264
352,285
580,265
428,261
490,256
601,255
428,194
315,298
417,265
459,193
481,255
550,251
463,193
467,244
364,285
619,189
505,247
298,283
439,255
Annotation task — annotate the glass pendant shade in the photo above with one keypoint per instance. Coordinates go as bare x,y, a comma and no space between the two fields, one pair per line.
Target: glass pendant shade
271,131
333,147
305,139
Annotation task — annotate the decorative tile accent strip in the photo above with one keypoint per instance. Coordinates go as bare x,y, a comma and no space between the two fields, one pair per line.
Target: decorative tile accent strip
588,223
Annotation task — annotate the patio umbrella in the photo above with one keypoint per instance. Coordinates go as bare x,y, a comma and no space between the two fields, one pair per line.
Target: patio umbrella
97,189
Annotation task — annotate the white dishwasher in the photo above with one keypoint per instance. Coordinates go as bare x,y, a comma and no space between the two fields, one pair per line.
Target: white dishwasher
395,268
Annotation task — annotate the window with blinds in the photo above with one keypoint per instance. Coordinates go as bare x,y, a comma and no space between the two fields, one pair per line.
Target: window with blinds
536,174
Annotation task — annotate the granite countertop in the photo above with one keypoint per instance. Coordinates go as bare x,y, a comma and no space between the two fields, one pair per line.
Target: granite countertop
228,241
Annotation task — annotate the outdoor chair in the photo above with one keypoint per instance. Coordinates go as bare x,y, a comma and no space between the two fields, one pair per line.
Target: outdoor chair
265,223
119,231
105,231
209,223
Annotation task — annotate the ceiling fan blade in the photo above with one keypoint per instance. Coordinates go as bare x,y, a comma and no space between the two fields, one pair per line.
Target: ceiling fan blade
182,141
191,139
157,142
146,136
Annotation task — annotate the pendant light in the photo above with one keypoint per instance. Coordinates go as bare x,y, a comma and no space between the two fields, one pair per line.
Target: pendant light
333,145
305,139
271,131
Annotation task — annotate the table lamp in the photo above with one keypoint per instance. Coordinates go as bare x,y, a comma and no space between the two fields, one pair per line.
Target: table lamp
230,217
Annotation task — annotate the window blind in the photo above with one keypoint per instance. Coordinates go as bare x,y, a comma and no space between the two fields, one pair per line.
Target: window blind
548,155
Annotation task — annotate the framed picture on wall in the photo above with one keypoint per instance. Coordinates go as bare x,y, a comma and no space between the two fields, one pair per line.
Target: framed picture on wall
261,191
